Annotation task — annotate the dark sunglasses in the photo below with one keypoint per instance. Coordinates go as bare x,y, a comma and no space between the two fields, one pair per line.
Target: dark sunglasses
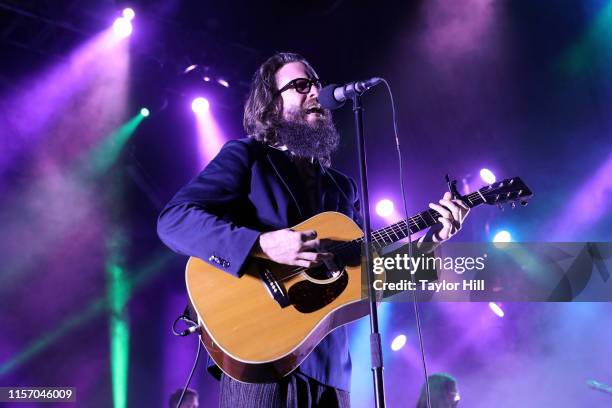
301,85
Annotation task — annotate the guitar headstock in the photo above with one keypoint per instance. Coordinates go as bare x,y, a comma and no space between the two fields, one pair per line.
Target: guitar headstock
509,190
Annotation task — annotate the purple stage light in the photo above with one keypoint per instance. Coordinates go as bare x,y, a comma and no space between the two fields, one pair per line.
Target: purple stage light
586,209
206,79
384,208
487,176
190,68
495,308
210,134
223,82
200,105
398,342
128,13
122,27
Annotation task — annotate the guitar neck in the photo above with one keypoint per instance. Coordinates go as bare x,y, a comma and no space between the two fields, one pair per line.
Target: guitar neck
418,222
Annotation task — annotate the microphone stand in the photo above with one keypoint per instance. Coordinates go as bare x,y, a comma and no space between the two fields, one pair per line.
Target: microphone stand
375,343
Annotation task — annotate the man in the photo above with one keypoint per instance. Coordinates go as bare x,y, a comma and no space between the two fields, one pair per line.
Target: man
443,392
190,399
245,200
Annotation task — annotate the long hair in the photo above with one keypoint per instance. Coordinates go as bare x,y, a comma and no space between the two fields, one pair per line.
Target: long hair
441,386
174,398
263,107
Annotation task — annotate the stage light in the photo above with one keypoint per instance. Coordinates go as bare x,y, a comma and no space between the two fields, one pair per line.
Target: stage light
502,236
487,176
129,13
223,82
398,342
122,27
206,79
190,68
209,132
144,112
200,105
495,308
384,208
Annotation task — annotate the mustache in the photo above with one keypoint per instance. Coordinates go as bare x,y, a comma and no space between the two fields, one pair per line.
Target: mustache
315,106
312,105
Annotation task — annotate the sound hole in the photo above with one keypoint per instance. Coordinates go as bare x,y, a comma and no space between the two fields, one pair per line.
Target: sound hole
322,272
308,297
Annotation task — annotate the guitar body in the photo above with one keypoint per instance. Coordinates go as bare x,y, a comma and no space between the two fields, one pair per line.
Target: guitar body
253,336
261,326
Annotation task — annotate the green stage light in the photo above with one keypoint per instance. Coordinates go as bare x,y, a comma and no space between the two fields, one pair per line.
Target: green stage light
113,299
118,294
107,151
584,55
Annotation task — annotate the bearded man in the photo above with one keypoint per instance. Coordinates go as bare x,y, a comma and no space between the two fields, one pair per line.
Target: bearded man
243,203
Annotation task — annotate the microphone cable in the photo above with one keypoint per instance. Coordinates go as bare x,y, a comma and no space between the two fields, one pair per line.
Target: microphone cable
192,327
410,244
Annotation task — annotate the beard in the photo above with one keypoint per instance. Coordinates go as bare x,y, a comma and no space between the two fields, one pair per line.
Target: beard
318,138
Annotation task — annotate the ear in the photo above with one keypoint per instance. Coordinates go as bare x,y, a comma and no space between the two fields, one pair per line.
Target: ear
277,108
278,104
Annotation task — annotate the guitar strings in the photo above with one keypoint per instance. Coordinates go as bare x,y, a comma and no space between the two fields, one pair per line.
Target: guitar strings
412,221
395,228
379,235
379,239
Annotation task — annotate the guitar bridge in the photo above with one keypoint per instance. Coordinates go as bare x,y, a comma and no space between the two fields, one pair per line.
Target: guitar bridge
275,289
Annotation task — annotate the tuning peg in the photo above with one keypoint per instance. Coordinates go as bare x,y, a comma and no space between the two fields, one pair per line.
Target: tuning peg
511,182
452,187
513,205
524,203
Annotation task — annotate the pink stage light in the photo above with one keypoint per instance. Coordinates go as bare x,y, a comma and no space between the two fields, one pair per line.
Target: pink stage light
122,27
128,13
200,105
223,82
487,176
209,133
495,308
384,208
398,342
190,68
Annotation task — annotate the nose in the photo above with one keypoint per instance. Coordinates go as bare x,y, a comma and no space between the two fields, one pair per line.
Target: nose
314,92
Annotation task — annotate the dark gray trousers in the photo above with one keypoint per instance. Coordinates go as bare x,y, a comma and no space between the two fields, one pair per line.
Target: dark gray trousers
293,391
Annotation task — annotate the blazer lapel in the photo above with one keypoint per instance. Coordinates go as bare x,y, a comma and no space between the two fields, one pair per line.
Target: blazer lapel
287,174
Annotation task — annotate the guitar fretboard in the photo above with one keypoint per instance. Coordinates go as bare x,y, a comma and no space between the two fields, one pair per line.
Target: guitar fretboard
400,230
416,223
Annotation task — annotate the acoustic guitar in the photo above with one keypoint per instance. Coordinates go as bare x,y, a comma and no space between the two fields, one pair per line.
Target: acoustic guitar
261,326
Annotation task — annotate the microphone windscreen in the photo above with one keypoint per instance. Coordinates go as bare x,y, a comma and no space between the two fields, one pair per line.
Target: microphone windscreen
327,99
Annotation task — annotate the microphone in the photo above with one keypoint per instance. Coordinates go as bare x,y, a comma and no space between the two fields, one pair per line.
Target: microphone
333,96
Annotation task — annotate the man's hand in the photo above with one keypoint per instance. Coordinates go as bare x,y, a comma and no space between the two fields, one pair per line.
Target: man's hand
291,248
453,214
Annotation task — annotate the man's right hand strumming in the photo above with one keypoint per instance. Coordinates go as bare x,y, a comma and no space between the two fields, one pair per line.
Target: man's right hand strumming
289,247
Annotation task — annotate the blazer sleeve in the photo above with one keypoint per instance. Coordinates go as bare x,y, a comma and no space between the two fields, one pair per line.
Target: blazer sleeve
194,222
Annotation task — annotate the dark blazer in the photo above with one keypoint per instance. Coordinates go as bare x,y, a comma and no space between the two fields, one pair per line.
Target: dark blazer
249,188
